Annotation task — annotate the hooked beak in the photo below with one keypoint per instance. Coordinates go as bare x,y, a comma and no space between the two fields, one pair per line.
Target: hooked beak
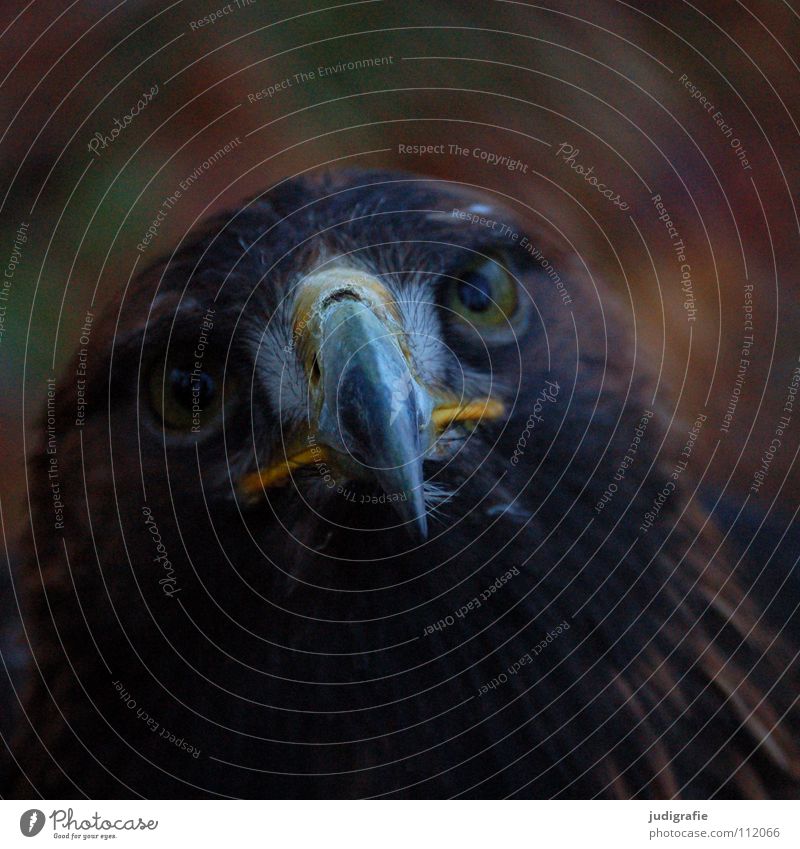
370,416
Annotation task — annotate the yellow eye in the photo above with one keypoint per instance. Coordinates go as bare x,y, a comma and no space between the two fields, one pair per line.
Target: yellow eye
484,293
185,398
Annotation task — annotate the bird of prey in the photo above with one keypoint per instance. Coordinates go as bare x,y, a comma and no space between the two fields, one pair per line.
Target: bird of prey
371,497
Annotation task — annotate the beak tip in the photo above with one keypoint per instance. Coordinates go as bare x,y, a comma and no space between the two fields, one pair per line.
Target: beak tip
416,516
420,527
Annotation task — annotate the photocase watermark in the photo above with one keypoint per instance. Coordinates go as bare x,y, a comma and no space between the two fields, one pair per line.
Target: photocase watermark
154,726
318,73
170,201
545,263
473,604
355,497
32,822
507,232
331,482
679,249
320,465
20,237
81,369
625,463
100,141
548,395
219,14
781,427
678,469
495,160
744,360
524,659
725,128
569,156
66,825
51,449
169,583
197,375
483,221
298,330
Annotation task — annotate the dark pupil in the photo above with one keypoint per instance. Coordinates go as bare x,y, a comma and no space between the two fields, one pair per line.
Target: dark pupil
189,389
475,291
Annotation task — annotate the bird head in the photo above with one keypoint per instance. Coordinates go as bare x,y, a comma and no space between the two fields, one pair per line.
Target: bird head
342,351
267,413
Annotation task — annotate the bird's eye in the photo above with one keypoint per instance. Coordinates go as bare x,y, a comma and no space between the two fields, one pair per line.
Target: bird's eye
483,292
186,398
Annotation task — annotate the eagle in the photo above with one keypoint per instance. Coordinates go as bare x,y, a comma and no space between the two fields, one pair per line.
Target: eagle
369,490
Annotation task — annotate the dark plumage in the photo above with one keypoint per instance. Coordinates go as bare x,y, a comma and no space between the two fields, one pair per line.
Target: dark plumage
289,639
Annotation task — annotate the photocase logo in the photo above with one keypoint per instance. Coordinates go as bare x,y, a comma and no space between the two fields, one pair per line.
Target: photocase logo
31,822
67,826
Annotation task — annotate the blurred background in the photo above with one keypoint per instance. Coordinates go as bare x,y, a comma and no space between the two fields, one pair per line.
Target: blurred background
111,108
